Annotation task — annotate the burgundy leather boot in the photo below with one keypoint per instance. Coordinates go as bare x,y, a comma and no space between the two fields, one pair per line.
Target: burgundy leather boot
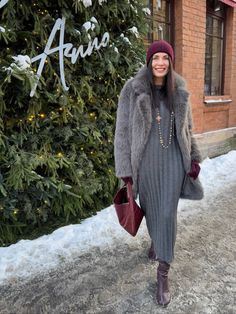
163,293
151,254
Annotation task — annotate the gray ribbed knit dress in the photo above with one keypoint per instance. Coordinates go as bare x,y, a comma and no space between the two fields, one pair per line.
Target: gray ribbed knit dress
161,176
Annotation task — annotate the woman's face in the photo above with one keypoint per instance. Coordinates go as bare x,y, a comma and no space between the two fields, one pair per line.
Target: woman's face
160,67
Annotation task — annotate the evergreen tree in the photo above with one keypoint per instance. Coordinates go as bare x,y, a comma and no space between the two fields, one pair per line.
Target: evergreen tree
56,129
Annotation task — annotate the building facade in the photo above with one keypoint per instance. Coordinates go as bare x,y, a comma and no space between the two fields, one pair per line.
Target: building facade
203,34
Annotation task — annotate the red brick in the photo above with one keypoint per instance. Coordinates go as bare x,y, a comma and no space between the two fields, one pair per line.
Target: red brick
190,62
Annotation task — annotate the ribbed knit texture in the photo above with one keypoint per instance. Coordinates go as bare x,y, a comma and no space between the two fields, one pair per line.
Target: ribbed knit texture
161,177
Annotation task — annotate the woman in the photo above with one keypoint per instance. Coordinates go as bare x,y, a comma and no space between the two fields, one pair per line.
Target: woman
155,151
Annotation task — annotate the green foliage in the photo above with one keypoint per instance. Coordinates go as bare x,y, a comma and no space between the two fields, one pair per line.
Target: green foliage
56,148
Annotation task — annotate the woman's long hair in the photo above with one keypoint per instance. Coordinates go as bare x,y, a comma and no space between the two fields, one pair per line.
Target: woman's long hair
168,87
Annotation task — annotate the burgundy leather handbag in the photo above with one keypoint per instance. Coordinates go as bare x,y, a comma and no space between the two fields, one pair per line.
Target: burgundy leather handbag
129,214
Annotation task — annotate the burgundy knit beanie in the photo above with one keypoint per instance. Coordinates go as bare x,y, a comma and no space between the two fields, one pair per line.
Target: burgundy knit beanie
160,46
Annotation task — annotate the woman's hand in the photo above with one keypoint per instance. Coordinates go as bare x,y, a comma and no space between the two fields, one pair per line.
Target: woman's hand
195,169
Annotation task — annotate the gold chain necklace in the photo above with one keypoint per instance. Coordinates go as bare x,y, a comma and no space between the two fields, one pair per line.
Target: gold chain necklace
171,131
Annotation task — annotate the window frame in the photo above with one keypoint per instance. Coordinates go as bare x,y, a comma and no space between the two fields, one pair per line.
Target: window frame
222,18
170,24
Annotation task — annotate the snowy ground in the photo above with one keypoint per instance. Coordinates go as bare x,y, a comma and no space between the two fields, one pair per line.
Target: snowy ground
28,258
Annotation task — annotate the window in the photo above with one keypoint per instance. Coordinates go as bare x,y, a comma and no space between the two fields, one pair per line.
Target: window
160,20
215,20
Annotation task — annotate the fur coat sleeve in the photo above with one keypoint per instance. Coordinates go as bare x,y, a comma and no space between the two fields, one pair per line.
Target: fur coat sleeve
195,152
122,145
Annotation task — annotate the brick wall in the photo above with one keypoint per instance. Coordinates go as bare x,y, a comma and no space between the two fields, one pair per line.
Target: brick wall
190,29
190,52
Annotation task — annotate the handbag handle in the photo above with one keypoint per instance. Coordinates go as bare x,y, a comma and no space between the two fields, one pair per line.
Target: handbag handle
130,192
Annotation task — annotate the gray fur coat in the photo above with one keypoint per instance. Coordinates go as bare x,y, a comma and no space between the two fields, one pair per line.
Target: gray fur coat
133,124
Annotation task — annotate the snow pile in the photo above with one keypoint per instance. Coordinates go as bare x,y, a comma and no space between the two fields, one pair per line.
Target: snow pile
23,62
27,258
147,11
134,30
88,3
125,39
90,24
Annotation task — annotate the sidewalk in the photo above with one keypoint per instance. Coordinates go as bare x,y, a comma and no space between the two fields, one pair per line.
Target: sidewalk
122,280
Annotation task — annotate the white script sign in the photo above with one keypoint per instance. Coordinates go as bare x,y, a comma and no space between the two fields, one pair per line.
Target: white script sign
3,2
66,50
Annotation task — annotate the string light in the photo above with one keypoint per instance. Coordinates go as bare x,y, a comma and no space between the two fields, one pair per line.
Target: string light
30,118
60,155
